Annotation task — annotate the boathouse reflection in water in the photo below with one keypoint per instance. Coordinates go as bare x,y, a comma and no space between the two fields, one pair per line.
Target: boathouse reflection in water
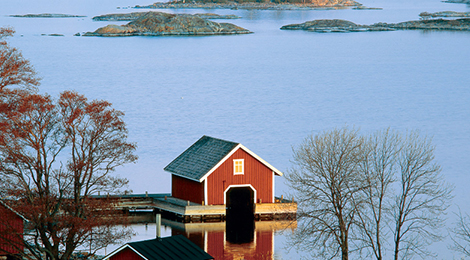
254,240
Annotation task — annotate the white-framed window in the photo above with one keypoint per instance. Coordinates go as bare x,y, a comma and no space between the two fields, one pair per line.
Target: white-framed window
238,166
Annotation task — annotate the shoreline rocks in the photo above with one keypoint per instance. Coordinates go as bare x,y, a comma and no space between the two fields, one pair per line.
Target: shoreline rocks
135,15
361,7
46,15
313,5
426,15
337,25
457,1
53,34
217,16
161,24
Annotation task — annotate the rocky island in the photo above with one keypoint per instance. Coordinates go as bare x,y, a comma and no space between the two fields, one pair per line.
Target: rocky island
160,24
426,15
337,25
253,4
457,1
46,15
133,16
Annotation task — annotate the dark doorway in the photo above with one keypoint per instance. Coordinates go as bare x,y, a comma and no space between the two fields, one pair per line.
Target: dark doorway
240,218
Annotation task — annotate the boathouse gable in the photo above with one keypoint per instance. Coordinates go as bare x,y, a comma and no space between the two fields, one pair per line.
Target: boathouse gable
207,170
256,176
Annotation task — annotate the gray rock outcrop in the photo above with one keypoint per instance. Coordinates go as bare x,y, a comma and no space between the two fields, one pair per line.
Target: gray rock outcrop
135,15
457,1
46,15
426,15
159,24
337,25
307,5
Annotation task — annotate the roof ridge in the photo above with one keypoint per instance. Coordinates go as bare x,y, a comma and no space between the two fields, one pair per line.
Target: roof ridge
218,139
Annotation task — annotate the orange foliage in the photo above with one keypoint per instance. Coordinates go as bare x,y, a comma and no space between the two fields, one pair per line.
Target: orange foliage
53,156
14,69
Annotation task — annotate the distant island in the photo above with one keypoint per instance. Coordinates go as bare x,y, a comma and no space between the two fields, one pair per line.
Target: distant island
133,16
161,24
46,15
426,15
457,1
254,4
337,25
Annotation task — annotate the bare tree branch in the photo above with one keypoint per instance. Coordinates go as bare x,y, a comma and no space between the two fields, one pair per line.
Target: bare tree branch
357,194
460,234
422,198
327,185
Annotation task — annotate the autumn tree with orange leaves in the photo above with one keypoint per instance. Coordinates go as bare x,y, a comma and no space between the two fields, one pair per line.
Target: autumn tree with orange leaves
54,154
14,69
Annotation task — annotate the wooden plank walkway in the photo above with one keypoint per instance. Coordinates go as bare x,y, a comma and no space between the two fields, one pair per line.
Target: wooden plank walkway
185,211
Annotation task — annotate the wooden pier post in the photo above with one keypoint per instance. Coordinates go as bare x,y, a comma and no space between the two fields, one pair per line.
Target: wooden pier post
158,220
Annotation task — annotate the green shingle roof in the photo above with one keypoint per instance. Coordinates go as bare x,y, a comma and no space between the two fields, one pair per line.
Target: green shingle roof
170,248
200,158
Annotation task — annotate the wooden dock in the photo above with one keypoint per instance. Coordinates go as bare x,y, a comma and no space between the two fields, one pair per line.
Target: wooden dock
142,206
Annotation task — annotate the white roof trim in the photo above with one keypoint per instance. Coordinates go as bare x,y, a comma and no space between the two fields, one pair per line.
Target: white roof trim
14,211
276,171
122,248
184,177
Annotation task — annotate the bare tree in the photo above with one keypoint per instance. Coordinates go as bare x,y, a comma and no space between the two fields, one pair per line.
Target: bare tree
14,69
53,156
421,200
359,193
328,186
379,168
461,235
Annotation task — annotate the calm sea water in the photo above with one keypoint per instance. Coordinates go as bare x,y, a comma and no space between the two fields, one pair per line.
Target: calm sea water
266,90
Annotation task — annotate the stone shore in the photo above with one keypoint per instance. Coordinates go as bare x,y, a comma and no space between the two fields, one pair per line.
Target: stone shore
46,15
315,4
457,1
135,15
337,25
426,15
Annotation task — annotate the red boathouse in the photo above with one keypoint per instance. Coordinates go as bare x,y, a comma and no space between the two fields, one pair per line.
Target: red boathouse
212,171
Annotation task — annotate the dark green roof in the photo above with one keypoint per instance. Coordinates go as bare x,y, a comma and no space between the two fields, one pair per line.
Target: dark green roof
200,158
171,248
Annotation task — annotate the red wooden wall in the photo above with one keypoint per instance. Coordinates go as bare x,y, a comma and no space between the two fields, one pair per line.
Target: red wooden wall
126,254
255,173
185,189
11,231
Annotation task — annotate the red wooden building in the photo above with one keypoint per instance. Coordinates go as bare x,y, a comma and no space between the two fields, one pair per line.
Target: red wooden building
11,232
168,248
212,171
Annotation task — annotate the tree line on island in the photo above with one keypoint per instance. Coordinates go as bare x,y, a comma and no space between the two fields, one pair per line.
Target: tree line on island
377,196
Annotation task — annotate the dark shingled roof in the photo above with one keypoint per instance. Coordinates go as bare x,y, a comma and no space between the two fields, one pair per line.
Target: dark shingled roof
171,248
200,158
